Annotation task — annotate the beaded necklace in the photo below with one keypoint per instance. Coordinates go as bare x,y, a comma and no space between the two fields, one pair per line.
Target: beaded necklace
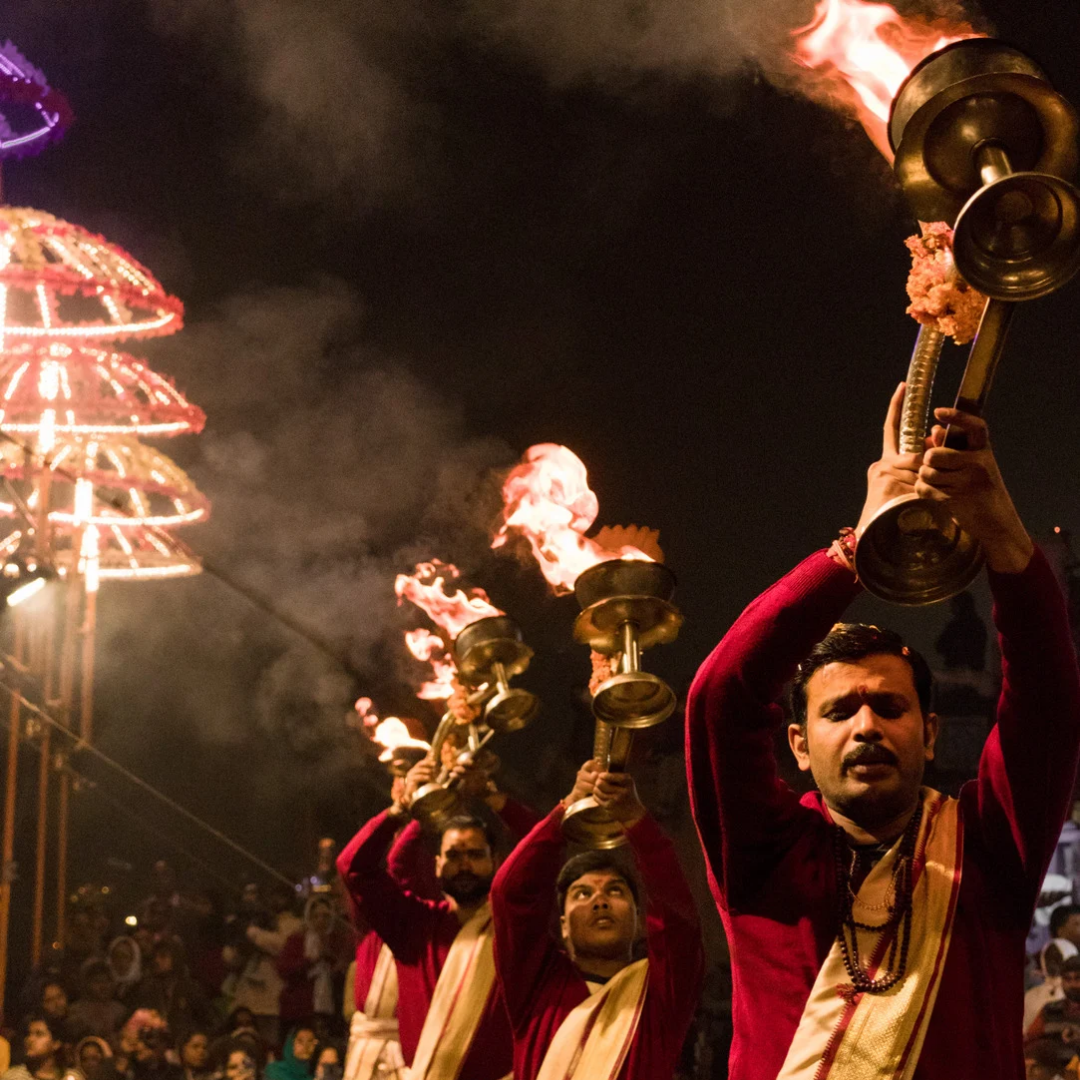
898,906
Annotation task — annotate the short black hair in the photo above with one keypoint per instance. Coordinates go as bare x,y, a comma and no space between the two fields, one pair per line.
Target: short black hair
38,1017
1071,965
467,821
592,862
850,642
1060,916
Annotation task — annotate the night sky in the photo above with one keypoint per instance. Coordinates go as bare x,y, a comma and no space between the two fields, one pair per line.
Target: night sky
411,244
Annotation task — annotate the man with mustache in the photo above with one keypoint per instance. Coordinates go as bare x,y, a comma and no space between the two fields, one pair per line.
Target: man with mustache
877,928
451,1017
590,1009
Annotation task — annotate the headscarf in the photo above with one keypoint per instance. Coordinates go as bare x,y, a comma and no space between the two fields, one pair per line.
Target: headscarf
321,972
289,1068
76,1071
134,974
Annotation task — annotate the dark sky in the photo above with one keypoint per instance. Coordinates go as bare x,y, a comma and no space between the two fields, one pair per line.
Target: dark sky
413,242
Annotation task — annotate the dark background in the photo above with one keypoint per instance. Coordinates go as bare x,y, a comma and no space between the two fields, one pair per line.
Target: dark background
411,245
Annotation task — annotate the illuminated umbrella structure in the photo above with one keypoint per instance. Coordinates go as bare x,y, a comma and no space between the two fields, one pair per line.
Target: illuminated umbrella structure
86,500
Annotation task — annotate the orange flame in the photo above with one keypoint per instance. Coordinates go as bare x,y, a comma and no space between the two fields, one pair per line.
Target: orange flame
865,51
548,500
390,732
429,648
426,588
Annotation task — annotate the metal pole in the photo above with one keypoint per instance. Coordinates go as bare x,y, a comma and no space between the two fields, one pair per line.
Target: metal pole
73,592
42,846
86,709
7,856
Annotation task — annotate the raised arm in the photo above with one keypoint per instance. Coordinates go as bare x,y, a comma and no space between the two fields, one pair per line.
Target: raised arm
389,909
741,807
1028,766
676,955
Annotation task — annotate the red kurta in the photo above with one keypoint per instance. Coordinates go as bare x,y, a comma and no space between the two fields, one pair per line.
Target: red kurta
540,984
770,857
420,933
411,866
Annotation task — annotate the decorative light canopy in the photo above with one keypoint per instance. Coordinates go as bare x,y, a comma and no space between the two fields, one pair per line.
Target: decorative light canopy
78,389
59,282
32,113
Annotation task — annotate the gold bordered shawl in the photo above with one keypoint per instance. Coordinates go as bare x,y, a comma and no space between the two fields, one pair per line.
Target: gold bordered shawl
845,1036
594,1039
374,1047
459,1002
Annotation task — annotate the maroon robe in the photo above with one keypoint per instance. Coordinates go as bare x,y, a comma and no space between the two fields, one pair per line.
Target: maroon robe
770,855
420,932
541,985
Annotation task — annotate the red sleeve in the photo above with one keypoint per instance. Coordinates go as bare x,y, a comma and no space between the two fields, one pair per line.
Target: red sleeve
742,809
291,960
522,897
411,864
1028,765
397,916
673,931
518,818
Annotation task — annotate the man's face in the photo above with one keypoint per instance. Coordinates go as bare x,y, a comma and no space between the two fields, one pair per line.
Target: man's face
39,1043
1070,984
465,866
54,1001
100,987
321,919
89,1056
599,917
1071,930
304,1044
122,956
163,961
866,740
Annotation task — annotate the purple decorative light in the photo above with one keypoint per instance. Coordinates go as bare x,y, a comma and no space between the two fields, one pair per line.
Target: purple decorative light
24,85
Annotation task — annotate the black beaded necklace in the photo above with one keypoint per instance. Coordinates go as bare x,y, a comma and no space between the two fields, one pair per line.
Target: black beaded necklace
899,908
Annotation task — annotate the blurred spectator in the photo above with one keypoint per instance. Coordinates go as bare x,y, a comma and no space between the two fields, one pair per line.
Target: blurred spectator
144,1052
168,989
1064,939
194,1052
260,932
93,1059
328,1062
1054,1037
41,1047
53,1005
125,964
295,1063
96,1011
325,878
239,1063
83,940
313,964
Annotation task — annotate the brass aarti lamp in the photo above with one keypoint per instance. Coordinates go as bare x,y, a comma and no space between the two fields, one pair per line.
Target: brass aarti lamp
626,609
982,139
489,652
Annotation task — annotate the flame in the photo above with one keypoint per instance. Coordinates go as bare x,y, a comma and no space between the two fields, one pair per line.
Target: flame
548,500
426,588
429,648
865,51
390,732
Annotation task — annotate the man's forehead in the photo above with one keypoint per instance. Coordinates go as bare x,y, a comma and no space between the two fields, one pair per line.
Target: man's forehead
880,673
464,838
597,878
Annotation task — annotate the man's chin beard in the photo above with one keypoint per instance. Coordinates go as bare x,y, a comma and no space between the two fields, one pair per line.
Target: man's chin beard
467,893
873,808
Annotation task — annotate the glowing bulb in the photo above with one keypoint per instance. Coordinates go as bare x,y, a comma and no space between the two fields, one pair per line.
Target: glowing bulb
24,592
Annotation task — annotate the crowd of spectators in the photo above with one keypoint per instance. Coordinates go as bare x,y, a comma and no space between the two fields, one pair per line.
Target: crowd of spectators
190,988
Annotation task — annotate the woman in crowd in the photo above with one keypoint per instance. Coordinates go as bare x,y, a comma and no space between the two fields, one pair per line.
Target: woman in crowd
125,964
193,1049
93,1060
296,1058
313,963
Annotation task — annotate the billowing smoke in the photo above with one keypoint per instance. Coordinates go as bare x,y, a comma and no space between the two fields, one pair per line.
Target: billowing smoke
353,94
330,467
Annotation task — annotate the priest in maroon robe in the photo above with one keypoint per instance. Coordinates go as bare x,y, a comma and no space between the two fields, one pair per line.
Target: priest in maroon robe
788,873
421,932
544,981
